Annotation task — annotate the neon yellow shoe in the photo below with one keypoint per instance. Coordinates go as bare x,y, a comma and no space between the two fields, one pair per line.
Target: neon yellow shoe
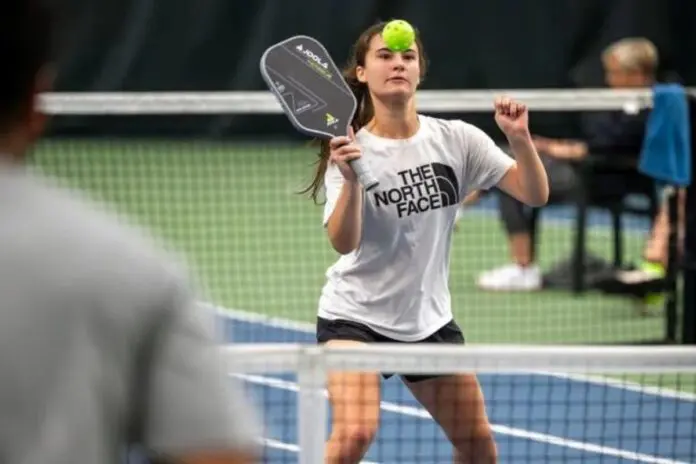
658,271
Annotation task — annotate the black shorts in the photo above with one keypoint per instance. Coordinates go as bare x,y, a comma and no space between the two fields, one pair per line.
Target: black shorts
340,329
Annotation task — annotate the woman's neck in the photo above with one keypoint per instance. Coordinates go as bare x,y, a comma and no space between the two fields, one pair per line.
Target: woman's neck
394,121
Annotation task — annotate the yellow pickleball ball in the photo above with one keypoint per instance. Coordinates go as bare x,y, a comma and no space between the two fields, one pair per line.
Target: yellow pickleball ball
398,35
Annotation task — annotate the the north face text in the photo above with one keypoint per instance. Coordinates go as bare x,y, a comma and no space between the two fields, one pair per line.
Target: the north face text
424,188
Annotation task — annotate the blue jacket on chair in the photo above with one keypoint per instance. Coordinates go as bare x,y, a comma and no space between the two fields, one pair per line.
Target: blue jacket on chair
666,151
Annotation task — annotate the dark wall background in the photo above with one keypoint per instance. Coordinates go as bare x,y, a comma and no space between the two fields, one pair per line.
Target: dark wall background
199,45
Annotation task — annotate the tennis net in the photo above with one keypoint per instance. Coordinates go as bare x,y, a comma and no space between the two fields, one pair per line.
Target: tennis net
546,404
180,165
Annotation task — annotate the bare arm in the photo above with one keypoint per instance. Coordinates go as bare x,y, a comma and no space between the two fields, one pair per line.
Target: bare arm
345,224
526,180
472,198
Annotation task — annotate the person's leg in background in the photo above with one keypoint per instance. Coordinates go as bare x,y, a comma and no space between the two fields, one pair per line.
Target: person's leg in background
523,273
656,250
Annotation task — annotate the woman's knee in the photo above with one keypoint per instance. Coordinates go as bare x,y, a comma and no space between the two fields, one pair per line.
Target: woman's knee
358,436
350,440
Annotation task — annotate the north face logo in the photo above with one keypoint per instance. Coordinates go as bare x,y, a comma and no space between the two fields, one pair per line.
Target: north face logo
424,188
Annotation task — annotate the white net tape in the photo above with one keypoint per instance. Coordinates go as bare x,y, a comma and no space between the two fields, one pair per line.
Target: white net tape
436,101
440,359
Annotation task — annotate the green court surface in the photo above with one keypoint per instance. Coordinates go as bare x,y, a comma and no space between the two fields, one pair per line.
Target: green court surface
258,246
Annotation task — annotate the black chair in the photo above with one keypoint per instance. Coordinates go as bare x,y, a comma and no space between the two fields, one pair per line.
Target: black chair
607,181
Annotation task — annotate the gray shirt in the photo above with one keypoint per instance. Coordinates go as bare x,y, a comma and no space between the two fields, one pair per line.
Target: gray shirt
101,343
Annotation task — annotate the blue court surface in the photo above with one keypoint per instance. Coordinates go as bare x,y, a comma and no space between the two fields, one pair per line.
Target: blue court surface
537,418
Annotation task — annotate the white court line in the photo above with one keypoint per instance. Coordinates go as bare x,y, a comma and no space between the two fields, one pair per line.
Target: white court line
297,326
420,413
281,445
625,385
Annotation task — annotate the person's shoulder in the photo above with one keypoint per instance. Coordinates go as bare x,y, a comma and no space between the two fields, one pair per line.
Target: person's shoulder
92,232
451,129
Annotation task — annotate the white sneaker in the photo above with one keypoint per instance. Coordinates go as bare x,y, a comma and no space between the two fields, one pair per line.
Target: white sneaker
511,278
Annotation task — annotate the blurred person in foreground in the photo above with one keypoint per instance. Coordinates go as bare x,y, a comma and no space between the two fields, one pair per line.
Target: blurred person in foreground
628,63
101,345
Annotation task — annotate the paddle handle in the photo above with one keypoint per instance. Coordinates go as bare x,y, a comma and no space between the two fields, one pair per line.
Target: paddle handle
365,176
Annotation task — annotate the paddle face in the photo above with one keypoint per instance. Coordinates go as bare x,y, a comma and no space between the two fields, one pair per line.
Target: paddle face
315,97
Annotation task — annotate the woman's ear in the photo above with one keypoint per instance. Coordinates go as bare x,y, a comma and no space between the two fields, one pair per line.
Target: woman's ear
360,74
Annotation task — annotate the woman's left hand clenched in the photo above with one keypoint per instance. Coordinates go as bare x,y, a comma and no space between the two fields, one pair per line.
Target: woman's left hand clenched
512,117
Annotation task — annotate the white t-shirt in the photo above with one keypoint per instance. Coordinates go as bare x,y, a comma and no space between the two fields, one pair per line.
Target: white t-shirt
396,281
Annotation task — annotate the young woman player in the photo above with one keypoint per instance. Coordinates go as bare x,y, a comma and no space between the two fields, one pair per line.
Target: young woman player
390,284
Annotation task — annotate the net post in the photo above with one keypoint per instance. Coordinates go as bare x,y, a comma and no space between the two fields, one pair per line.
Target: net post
311,379
672,273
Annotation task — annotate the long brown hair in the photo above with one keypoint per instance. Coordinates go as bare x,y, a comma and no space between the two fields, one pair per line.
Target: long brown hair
365,110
